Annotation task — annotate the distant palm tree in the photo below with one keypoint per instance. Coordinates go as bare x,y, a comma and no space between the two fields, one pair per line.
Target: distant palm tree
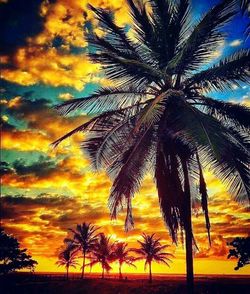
159,117
102,253
122,254
84,238
68,257
152,250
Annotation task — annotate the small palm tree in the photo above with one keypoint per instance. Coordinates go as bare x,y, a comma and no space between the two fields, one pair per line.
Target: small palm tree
152,250
122,254
68,257
84,238
102,253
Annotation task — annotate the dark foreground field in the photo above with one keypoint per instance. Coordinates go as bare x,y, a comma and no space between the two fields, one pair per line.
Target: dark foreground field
57,285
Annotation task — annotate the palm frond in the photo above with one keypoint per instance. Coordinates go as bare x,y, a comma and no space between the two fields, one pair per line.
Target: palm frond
204,197
129,174
181,22
229,158
105,99
244,5
144,30
226,74
101,144
102,122
117,61
169,189
204,38
231,114
161,17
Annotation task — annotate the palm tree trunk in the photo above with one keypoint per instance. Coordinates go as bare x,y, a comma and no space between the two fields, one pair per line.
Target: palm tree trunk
83,264
120,271
67,272
102,272
150,273
188,231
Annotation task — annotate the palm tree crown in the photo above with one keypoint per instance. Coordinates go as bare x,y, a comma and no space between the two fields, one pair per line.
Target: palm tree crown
84,237
159,117
122,254
152,250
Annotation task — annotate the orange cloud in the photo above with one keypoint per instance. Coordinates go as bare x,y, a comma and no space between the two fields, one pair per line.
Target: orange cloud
24,140
65,96
61,69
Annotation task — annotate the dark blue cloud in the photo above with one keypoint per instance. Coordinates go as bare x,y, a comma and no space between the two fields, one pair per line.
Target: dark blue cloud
19,20
40,168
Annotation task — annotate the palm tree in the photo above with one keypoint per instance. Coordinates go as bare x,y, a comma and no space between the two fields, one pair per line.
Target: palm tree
159,117
84,238
152,250
102,253
122,254
68,257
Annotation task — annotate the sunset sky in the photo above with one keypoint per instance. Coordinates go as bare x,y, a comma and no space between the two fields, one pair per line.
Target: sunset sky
45,191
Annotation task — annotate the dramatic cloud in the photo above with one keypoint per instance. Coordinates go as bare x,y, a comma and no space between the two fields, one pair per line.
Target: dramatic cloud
45,173
44,125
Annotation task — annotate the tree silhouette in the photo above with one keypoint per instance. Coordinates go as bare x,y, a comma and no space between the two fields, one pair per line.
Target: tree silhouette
152,250
241,251
68,258
11,256
159,117
102,253
84,238
122,254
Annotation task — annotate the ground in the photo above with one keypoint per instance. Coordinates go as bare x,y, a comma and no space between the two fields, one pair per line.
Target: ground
174,285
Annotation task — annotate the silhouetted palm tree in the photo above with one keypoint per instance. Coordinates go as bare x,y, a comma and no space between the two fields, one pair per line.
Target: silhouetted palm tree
122,254
159,116
102,253
84,238
68,257
152,250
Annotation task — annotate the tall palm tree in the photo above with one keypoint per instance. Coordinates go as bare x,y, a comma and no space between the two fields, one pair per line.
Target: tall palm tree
68,257
159,117
102,253
84,237
122,254
152,250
